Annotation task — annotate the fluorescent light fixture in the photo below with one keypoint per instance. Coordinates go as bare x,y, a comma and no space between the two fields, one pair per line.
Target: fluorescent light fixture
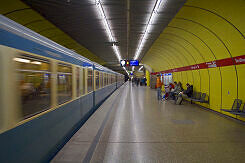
148,28
36,62
22,60
107,27
140,68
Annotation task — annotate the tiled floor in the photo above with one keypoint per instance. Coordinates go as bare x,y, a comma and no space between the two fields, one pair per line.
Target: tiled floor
132,126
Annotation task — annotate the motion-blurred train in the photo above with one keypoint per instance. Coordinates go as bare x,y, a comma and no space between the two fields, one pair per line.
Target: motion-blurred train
46,93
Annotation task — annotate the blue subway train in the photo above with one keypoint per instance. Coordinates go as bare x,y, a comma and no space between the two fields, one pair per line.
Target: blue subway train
46,93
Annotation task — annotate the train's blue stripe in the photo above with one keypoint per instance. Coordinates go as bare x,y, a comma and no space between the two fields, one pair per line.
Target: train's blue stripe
11,40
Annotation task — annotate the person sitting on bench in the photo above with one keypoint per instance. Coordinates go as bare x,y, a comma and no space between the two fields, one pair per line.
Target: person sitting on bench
188,92
177,89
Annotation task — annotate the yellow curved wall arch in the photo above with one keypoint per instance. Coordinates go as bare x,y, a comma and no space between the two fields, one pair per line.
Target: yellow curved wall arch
204,31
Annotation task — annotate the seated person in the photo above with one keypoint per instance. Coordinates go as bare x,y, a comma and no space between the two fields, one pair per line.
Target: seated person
188,92
176,90
166,91
172,86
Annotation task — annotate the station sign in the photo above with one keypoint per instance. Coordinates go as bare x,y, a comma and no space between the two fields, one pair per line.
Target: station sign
125,63
134,63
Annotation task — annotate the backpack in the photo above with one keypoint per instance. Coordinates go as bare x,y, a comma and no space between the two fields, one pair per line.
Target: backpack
179,100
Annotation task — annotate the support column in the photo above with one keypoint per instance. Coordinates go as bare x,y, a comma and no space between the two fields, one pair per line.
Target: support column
147,75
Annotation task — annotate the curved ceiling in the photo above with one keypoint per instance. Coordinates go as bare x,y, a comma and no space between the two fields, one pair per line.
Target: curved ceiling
201,31
127,20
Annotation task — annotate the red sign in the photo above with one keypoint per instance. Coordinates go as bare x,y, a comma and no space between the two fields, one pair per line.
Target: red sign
212,64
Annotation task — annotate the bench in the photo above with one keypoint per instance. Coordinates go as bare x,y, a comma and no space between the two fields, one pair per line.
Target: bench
235,107
201,97
198,97
241,113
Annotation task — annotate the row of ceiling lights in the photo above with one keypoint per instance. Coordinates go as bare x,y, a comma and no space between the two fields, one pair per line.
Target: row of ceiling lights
148,28
108,30
144,37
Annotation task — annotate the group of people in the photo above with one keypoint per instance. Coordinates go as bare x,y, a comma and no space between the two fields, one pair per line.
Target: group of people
139,81
173,91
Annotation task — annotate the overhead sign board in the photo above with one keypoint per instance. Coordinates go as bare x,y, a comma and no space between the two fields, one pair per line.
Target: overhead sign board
125,63
134,63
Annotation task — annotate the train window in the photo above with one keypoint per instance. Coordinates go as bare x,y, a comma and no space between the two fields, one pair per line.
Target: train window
113,78
78,82
101,79
33,77
104,78
97,81
109,79
84,80
90,80
64,79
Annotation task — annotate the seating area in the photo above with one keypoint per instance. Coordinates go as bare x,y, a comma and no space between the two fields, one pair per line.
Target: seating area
236,108
198,97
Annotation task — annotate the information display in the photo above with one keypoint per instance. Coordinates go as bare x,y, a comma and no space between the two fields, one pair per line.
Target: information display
134,63
125,63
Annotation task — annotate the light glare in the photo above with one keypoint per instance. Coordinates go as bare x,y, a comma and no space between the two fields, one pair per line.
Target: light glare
22,60
148,28
36,63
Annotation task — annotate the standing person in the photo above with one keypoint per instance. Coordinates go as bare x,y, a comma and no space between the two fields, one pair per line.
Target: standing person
137,81
159,86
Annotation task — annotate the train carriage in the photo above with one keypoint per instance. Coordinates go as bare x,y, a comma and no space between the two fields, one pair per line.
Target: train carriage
46,93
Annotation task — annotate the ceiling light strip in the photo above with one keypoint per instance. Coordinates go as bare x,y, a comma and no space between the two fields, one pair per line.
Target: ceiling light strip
148,28
107,27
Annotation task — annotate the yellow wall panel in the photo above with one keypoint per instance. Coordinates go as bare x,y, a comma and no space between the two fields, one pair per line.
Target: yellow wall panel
215,89
195,41
241,81
204,81
190,77
229,86
196,79
231,10
206,36
184,79
211,25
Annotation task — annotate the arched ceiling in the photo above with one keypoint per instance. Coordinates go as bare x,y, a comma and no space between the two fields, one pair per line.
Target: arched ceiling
80,20
26,16
201,31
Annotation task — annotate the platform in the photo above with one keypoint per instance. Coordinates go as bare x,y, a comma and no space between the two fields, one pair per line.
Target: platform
132,126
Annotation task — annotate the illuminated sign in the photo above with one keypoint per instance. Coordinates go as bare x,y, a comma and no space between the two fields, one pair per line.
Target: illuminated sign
134,63
125,63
